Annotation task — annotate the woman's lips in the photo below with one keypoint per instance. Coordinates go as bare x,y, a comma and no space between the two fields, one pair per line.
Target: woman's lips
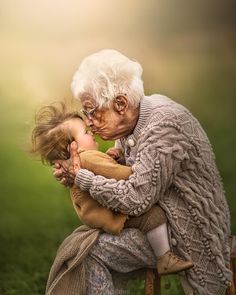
94,131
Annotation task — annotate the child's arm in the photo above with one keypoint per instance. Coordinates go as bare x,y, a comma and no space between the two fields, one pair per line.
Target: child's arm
102,164
89,210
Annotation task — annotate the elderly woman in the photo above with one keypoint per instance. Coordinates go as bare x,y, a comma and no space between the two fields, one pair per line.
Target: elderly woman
172,164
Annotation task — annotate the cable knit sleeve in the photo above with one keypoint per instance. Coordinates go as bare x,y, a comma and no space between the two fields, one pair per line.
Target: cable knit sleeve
160,152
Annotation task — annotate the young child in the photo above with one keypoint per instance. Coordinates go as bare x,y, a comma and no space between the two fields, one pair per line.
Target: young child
55,130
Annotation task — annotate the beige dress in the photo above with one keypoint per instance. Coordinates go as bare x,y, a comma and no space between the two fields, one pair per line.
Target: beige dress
89,210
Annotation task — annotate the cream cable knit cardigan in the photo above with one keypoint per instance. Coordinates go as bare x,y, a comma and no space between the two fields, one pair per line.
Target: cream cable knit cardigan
173,164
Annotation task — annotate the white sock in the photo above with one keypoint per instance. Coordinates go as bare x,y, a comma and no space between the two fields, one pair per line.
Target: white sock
158,239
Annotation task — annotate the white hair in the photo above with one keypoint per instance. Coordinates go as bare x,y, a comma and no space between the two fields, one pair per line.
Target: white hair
107,74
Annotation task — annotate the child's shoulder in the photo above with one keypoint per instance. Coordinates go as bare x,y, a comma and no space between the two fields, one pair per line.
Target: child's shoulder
94,156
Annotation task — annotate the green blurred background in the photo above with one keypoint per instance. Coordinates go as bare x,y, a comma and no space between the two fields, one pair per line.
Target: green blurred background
188,52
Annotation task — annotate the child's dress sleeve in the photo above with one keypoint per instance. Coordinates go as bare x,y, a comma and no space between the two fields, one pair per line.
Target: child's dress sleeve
102,164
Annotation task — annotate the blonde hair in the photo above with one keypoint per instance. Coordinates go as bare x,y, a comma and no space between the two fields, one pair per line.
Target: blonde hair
50,139
107,74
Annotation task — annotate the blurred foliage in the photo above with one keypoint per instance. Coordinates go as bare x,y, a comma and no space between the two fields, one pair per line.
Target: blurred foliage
187,50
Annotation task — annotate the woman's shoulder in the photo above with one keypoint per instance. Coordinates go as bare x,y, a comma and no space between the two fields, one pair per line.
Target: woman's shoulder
164,109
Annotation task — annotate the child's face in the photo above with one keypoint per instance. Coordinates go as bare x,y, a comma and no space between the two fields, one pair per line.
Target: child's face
84,138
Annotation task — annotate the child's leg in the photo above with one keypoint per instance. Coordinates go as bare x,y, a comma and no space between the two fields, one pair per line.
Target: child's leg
158,239
154,224
167,261
149,220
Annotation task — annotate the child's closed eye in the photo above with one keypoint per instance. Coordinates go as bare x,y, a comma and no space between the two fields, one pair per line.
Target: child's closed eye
88,132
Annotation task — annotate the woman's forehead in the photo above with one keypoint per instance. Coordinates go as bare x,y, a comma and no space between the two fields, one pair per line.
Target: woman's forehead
88,101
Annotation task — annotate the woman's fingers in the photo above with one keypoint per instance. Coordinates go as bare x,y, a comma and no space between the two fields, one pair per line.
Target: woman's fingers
73,149
63,181
68,182
57,173
56,165
75,156
65,170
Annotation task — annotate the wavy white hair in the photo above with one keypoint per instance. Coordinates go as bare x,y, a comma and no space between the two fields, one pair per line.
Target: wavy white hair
107,74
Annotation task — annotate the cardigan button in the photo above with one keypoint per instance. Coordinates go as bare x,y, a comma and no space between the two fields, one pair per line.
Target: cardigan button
131,142
173,242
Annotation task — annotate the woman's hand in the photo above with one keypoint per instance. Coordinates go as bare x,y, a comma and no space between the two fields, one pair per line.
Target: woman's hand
65,170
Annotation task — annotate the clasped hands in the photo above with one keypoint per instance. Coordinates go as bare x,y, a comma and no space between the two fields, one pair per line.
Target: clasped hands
65,170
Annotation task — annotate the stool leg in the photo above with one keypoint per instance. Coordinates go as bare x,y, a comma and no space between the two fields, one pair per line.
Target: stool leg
157,284
234,275
232,288
152,283
149,282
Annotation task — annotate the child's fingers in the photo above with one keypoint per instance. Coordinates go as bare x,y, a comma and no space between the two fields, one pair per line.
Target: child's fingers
110,151
113,153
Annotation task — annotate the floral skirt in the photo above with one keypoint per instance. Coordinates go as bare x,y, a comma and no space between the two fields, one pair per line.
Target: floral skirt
123,253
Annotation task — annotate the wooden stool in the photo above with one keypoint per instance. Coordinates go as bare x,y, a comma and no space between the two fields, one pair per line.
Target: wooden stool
152,283
232,289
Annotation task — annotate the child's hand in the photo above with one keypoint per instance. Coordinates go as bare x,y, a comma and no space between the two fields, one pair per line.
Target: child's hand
115,153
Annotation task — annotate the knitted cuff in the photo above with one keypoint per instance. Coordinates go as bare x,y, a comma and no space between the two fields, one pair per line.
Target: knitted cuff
84,179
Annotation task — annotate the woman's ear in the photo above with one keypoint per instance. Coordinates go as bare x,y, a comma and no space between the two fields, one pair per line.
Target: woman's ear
120,104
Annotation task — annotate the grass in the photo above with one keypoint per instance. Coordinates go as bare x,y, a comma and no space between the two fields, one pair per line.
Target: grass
170,285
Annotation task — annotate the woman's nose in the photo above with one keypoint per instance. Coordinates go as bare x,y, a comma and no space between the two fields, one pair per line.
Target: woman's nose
88,122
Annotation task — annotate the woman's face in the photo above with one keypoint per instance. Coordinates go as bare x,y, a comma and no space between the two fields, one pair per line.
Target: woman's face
106,122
